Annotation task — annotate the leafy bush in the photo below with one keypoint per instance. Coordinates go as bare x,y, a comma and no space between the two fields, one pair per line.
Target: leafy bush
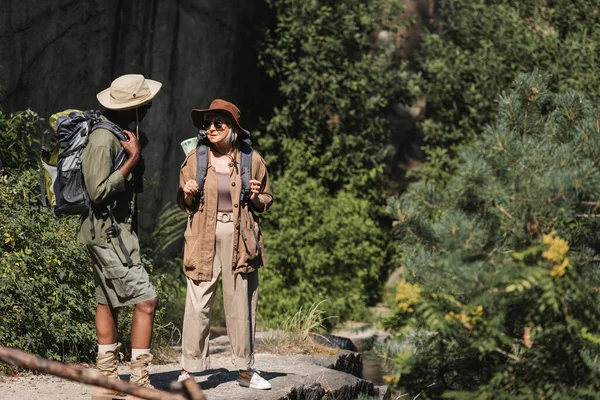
320,248
46,284
476,48
16,140
335,85
326,144
500,295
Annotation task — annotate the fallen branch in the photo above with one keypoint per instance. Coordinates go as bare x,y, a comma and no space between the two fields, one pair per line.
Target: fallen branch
93,377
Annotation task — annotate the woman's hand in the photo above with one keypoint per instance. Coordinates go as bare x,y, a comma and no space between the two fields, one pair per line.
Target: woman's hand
254,191
190,189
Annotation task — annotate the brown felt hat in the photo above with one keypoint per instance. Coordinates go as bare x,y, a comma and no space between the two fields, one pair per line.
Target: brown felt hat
220,106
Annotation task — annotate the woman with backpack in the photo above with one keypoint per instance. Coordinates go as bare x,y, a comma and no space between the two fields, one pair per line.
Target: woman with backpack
222,185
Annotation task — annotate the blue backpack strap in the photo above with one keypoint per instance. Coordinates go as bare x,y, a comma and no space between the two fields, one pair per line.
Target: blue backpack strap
201,164
246,166
246,175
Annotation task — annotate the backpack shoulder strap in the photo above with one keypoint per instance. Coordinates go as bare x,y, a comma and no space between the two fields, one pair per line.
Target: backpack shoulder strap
115,130
246,161
201,165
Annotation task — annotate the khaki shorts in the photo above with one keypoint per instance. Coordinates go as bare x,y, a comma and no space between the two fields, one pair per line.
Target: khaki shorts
116,283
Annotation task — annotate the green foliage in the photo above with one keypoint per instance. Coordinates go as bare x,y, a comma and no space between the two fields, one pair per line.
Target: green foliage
16,140
477,47
326,143
335,84
320,247
502,262
47,305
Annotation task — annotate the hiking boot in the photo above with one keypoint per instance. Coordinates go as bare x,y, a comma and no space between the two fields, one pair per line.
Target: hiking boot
139,373
250,378
106,364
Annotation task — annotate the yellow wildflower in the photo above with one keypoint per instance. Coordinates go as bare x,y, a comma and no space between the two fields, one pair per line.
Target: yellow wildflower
559,270
556,254
407,294
463,317
478,311
556,248
467,319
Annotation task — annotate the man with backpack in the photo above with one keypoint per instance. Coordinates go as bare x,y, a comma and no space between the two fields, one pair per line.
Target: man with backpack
109,229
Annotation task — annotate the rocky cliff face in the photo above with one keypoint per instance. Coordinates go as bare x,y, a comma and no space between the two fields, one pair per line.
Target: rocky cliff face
57,54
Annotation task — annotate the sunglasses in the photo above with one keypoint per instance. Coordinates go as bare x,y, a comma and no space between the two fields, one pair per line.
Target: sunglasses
219,124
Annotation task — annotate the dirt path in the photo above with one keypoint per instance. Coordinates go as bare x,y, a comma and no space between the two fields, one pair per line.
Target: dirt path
303,376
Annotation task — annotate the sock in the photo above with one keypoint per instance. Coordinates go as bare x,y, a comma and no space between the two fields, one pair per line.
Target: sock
138,352
105,348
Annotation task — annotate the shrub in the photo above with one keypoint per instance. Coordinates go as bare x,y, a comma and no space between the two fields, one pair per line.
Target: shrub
326,143
502,263
476,48
320,247
17,150
47,305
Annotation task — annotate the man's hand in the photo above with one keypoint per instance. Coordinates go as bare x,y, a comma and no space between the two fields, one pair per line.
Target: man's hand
132,149
131,146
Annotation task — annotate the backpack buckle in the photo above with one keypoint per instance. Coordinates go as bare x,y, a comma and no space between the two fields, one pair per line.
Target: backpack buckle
113,231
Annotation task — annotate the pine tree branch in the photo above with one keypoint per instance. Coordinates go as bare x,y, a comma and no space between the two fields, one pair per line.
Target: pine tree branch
500,145
414,235
588,215
511,356
503,211
525,167
570,115
591,260
551,224
428,204
512,115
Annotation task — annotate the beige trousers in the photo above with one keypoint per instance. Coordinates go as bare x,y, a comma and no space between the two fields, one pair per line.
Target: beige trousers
240,295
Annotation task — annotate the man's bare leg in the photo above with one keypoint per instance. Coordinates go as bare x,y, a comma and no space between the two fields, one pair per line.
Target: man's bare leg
106,324
141,325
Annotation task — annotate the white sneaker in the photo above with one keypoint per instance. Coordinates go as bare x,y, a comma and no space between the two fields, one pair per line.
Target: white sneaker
253,380
183,377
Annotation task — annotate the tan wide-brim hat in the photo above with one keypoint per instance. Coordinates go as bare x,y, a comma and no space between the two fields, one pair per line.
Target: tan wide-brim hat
220,106
128,91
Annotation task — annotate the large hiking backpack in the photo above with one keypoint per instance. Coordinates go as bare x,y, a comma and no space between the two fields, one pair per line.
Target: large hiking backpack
61,181
61,177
